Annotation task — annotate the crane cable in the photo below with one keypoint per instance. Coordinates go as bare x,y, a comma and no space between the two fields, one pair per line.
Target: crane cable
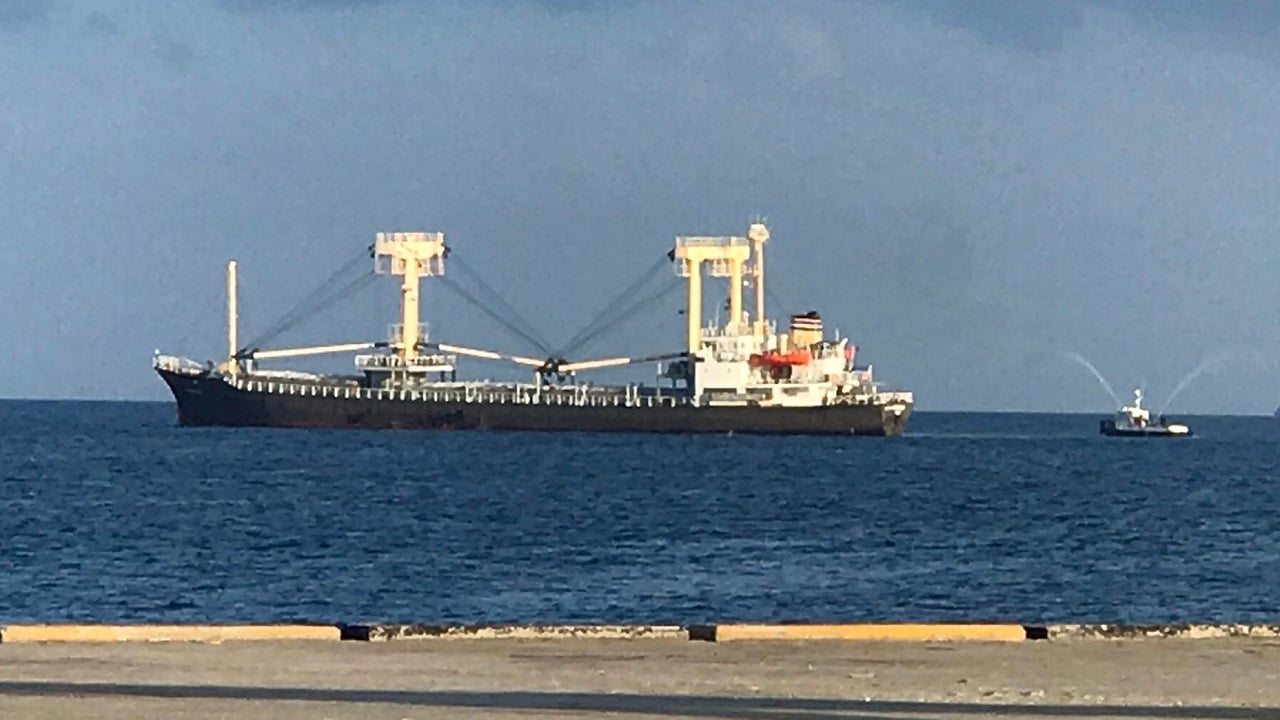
505,314
350,288
490,312
624,315
319,298
606,316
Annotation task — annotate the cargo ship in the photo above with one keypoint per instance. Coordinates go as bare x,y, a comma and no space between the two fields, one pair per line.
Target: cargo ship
742,375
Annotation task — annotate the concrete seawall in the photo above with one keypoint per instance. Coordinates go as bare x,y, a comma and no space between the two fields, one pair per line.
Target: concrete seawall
464,676
1134,632
375,633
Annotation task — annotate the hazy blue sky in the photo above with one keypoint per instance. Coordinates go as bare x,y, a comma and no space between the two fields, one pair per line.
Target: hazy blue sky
969,189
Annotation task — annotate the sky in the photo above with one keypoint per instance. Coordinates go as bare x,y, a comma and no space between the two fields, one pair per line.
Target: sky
972,190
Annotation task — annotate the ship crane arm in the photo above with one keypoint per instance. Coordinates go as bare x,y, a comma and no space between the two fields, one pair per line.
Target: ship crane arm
550,365
618,361
482,354
256,354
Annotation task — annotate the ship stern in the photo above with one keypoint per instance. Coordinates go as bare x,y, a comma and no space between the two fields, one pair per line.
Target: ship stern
895,410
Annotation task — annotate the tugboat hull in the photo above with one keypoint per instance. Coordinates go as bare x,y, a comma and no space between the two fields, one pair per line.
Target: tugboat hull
1109,428
210,400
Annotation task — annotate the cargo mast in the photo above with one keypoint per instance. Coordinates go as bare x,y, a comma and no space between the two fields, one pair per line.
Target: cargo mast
233,320
413,256
759,235
724,257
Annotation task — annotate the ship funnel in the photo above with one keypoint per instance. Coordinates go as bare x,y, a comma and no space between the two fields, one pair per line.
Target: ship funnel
806,330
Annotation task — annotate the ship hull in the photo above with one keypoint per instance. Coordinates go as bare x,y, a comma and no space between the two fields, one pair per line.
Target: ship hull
207,400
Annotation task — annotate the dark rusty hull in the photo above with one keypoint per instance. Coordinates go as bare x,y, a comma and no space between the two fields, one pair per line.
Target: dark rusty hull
208,401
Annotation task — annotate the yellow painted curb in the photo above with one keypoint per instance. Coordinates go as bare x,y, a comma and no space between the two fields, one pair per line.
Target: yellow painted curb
164,633
916,633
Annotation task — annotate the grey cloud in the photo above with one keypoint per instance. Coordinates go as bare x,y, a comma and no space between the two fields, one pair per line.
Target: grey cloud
1032,26
1227,19
270,5
101,24
22,14
1029,25
554,7
174,53
1044,27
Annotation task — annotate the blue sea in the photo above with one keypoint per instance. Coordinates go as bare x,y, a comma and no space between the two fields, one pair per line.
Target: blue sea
109,512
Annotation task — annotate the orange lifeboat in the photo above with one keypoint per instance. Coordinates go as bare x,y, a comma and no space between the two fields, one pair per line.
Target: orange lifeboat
776,359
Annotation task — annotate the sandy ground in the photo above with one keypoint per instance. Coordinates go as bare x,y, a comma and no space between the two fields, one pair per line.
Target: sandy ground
643,679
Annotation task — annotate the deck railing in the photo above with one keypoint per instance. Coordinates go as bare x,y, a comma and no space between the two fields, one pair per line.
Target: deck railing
465,393
177,364
503,395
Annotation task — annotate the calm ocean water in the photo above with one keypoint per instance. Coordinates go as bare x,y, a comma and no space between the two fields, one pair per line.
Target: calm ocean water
108,512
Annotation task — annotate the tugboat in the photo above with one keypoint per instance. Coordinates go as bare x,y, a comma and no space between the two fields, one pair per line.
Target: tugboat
1135,421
